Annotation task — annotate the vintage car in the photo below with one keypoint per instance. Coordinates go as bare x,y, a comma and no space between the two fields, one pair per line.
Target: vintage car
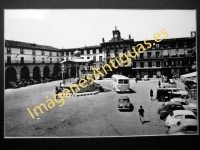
124,103
177,115
166,108
188,106
185,126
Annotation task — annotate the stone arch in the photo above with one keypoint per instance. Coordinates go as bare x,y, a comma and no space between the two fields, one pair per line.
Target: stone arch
24,73
10,75
36,72
56,70
46,72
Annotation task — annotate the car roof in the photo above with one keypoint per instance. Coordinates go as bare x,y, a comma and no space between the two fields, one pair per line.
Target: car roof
191,122
172,103
123,97
185,112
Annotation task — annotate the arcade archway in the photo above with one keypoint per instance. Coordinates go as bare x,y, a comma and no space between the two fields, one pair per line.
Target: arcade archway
46,72
36,72
10,75
24,74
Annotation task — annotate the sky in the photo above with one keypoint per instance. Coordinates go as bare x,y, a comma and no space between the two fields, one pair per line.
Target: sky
74,28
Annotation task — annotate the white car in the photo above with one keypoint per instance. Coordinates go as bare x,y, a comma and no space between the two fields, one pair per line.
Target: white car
178,115
188,106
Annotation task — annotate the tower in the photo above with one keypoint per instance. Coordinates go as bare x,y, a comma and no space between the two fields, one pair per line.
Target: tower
116,35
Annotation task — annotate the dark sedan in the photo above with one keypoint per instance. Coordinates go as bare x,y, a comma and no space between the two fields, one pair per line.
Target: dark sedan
166,108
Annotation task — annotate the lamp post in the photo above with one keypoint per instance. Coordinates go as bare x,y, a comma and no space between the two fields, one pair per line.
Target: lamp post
63,67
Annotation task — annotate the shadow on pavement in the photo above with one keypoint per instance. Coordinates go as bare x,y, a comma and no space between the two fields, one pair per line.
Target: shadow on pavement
105,90
131,91
145,122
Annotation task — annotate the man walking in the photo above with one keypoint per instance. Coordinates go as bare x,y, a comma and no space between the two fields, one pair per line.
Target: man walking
151,93
141,114
159,84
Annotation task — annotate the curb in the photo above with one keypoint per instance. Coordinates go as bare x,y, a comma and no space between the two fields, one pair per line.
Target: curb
81,94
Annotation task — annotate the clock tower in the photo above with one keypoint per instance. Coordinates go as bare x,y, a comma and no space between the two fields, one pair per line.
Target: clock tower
116,35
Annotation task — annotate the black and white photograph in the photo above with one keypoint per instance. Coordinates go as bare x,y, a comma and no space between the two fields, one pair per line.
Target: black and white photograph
73,73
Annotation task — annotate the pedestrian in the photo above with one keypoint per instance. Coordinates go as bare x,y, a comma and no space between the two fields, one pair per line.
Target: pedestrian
159,84
141,114
151,93
135,79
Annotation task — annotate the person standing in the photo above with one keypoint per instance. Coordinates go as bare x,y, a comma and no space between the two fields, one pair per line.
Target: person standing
151,94
135,79
159,84
141,114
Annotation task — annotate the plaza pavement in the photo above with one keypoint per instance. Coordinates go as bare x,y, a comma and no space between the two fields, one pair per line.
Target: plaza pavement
85,116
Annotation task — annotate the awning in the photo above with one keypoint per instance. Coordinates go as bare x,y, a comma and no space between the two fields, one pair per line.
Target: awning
173,52
181,52
193,74
189,77
165,53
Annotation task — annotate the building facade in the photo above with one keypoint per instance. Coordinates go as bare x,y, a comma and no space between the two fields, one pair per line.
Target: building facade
169,57
26,60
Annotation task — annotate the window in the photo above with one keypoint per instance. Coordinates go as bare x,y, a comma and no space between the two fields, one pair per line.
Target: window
125,81
8,59
100,65
94,65
157,63
168,45
91,51
178,117
43,60
42,52
185,44
69,53
88,57
120,81
58,60
157,54
183,103
141,55
50,53
157,46
100,58
94,52
100,50
8,50
149,54
176,45
33,52
50,60
181,62
21,51
22,60
149,64
165,63
134,64
85,51
97,51
142,64
190,117
34,60
94,58
57,54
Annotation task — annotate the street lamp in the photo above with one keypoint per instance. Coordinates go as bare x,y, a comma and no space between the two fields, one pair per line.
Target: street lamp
63,67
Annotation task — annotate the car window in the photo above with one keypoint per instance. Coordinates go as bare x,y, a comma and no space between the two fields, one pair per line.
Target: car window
172,107
191,128
120,81
178,117
178,107
183,103
125,81
190,117
175,90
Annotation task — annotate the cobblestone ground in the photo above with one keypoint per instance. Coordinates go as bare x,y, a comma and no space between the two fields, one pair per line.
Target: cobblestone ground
93,115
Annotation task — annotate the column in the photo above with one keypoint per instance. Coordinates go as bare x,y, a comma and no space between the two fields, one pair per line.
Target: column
31,74
41,74
18,76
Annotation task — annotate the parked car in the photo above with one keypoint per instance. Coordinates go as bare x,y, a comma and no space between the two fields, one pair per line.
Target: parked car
13,84
47,80
146,78
177,115
185,126
166,108
124,103
41,80
188,106
22,83
34,81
